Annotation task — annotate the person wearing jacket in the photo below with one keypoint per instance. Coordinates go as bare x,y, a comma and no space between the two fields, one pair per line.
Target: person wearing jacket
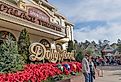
85,67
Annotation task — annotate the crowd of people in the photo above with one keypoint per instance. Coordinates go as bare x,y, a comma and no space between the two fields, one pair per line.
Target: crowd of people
89,64
107,60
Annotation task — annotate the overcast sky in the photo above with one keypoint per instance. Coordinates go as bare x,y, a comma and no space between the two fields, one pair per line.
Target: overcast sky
93,19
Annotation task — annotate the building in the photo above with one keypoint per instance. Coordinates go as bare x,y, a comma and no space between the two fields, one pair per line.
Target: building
40,18
107,50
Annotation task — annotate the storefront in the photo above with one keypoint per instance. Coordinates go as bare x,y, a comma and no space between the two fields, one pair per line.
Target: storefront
41,19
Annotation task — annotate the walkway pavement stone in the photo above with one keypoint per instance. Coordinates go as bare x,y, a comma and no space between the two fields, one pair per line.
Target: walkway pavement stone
110,76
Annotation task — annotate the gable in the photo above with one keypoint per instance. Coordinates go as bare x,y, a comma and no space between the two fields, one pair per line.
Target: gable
91,46
108,48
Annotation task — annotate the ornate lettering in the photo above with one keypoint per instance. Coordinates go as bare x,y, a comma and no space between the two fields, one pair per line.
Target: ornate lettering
38,52
38,14
35,16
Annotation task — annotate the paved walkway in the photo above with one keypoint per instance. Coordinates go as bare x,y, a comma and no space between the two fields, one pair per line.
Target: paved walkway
110,76
110,67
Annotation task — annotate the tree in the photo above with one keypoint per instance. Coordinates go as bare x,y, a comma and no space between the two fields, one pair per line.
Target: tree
119,45
87,42
79,56
10,60
75,45
118,41
75,41
100,43
23,45
94,43
105,42
70,46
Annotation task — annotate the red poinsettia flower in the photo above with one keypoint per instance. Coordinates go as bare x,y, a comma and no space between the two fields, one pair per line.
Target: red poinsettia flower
39,72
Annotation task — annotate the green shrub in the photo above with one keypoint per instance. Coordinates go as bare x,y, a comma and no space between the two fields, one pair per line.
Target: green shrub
10,60
79,57
23,45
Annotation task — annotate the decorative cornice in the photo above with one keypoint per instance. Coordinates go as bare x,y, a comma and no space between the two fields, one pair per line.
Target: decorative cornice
22,22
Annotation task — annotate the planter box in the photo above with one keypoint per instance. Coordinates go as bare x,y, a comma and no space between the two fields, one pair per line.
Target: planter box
79,78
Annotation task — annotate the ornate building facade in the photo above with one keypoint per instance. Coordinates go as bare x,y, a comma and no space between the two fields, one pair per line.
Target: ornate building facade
40,18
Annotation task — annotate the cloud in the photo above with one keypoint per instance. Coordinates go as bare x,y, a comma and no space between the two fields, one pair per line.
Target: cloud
111,33
86,10
93,19
90,24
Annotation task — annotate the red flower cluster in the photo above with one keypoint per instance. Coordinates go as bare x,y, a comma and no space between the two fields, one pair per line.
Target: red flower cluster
38,72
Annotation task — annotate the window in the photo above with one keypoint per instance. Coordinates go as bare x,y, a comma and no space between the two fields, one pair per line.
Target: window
4,35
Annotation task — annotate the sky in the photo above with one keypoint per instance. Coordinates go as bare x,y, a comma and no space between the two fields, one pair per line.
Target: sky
92,19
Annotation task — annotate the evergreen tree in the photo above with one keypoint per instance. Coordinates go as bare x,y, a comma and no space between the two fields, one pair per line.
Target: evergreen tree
100,43
105,42
94,43
23,45
70,46
118,41
76,45
79,56
10,60
90,51
87,42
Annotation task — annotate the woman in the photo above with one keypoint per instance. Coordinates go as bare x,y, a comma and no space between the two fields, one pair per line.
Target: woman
92,70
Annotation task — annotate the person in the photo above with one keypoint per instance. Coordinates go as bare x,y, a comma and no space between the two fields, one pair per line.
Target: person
92,70
85,67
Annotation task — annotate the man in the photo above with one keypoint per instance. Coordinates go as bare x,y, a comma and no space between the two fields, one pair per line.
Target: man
85,67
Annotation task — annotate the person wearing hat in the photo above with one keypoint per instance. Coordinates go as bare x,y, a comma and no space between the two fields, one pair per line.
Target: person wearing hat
85,67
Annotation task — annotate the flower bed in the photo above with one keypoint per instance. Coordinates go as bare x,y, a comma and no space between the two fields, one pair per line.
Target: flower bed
40,72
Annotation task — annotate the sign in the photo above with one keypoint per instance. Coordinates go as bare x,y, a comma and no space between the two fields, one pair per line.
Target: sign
34,17
38,14
38,53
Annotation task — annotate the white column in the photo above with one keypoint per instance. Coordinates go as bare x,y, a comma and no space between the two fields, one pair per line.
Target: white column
72,36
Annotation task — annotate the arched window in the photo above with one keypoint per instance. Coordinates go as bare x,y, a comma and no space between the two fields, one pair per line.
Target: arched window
4,35
45,43
59,47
